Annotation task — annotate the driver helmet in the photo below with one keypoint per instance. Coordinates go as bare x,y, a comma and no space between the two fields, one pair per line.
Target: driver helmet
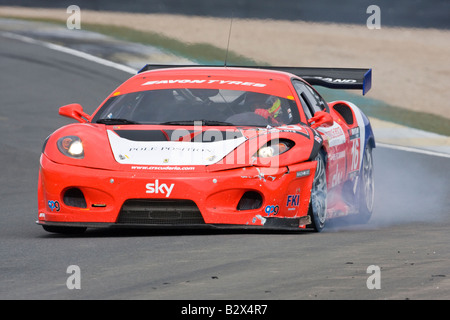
271,104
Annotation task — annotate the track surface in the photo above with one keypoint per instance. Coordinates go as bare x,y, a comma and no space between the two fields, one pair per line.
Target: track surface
407,238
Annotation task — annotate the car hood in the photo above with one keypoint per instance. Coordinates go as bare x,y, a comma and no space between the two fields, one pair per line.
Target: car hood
213,149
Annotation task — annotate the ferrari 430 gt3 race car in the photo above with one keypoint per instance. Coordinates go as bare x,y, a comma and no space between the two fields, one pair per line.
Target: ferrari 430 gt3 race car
203,146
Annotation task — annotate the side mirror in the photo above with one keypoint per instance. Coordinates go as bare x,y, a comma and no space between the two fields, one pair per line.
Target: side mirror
321,118
74,111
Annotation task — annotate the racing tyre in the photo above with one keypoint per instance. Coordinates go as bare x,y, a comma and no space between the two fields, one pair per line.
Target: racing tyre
318,202
64,230
366,187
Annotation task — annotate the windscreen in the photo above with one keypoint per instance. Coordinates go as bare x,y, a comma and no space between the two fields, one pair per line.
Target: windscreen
184,106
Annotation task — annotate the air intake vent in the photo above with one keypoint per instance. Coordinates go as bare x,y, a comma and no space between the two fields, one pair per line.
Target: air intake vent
160,212
250,200
74,197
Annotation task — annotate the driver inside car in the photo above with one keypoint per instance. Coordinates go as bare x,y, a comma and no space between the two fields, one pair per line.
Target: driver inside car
268,107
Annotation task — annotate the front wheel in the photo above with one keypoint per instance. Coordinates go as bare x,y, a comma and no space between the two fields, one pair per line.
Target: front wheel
318,201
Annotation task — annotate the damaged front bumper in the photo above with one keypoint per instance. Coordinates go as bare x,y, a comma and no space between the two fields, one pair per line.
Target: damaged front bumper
243,197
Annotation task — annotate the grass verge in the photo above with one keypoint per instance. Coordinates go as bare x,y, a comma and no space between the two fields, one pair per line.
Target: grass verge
198,52
384,111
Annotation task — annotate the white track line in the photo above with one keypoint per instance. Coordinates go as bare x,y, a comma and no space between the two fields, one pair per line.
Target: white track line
73,52
130,70
411,149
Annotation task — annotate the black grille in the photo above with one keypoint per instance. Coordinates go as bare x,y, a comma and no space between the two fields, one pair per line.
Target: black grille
74,197
160,212
250,200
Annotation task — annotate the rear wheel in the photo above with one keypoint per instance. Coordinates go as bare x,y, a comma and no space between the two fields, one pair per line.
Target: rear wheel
318,201
366,187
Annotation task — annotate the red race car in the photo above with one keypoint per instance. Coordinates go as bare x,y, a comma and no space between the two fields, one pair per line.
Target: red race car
203,146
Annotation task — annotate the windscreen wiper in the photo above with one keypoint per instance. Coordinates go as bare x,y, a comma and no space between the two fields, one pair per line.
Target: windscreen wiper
113,121
198,122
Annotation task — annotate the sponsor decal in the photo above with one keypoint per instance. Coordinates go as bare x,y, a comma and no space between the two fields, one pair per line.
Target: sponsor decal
159,168
303,173
336,156
293,200
54,205
294,129
271,209
318,138
176,153
337,177
334,134
353,133
161,188
335,80
197,81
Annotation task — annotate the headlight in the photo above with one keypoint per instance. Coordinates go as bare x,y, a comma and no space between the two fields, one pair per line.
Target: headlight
71,146
274,148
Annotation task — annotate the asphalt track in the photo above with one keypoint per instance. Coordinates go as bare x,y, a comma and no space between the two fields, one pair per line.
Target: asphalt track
407,238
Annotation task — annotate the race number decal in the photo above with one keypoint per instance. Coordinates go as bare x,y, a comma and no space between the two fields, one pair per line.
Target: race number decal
355,155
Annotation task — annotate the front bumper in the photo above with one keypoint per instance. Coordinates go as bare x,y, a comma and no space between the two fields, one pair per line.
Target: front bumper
214,197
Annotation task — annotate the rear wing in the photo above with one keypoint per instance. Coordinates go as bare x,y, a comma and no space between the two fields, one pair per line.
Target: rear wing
334,78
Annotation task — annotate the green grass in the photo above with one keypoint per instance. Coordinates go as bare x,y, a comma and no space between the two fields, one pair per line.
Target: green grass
198,52
384,111
204,53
